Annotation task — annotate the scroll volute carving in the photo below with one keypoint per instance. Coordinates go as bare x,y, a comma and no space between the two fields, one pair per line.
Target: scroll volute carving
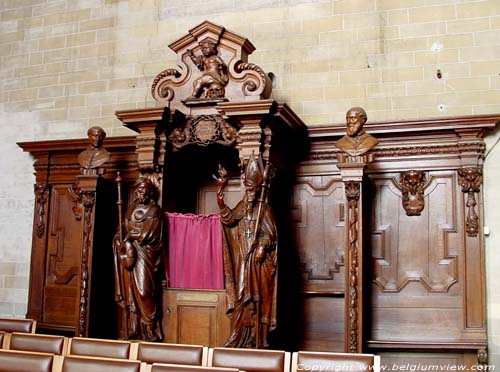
213,67
470,180
412,184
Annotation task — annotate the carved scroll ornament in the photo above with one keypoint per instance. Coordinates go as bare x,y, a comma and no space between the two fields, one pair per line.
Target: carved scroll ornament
470,179
213,66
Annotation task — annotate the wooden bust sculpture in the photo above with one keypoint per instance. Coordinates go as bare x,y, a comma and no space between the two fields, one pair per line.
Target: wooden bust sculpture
139,257
95,155
356,142
250,259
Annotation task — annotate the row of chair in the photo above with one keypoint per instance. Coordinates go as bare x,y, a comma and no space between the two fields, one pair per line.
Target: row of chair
250,360
17,339
23,361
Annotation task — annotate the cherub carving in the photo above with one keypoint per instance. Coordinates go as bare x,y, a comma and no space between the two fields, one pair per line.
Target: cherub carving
214,78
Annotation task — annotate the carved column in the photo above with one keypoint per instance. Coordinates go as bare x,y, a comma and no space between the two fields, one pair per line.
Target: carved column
87,194
352,171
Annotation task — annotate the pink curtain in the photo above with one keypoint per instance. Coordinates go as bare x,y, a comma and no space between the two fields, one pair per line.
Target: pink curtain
195,251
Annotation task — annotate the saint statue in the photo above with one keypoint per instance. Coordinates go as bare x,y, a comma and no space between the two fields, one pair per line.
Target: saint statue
250,259
138,261
95,155
214,78
356,142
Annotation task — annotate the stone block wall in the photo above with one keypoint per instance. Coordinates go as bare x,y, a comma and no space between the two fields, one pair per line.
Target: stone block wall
66,65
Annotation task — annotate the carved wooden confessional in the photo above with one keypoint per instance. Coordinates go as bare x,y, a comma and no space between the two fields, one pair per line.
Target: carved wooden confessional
384,254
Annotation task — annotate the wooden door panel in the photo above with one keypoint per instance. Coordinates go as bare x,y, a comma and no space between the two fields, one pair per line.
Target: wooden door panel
62,260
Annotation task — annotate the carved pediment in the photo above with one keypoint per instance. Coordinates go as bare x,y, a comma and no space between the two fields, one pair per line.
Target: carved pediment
213,67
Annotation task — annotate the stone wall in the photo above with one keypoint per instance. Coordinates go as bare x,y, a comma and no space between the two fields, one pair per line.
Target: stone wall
66,65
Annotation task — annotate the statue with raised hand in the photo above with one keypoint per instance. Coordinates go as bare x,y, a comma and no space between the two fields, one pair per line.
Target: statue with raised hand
250,258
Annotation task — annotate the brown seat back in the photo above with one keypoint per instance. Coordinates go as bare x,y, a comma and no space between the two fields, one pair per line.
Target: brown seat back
20,361
157,367
17,325
72,363
2,337
326,361
151,352
36,342
99,348
250,360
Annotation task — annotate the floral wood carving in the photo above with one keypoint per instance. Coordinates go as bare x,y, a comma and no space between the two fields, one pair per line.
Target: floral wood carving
412,184
88,200
213,67
352,192
470,179
41,194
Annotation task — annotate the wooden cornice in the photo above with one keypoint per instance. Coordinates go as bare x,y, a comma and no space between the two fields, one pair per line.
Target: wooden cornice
476,122
75,144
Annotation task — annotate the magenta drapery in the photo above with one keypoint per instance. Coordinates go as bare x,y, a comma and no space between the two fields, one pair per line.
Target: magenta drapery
195,251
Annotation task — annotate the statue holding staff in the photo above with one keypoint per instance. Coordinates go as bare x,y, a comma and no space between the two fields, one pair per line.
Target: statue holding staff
250,258
139,257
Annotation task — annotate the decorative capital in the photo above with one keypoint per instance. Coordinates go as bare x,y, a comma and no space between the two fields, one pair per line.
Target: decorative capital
352,190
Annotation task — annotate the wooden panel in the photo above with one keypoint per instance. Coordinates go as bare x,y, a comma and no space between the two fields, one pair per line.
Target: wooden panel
323,323
63,260
195,317
318,215
416,262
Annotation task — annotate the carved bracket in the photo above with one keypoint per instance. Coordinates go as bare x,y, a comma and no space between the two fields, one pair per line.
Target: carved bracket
41,195
412,184
470,179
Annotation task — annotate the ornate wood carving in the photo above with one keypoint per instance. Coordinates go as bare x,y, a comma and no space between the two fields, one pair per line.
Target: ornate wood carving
214,68
88,201
352,192
470,179
41,195
203,130
76,194
412,184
